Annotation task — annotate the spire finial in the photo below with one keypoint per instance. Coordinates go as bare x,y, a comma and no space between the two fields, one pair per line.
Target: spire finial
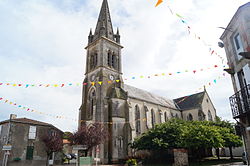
104,25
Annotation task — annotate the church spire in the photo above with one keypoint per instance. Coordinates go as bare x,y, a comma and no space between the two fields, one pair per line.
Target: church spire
104,24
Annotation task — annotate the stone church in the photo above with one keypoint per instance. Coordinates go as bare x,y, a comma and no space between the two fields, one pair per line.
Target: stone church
126,110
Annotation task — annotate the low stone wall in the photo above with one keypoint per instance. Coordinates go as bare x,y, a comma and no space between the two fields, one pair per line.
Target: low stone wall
180,157
29,163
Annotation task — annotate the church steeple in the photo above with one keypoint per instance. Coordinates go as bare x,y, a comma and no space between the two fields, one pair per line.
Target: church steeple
104,25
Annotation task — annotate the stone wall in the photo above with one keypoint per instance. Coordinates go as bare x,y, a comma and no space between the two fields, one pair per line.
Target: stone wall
180,157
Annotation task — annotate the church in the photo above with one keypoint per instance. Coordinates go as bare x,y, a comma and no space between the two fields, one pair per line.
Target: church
126,110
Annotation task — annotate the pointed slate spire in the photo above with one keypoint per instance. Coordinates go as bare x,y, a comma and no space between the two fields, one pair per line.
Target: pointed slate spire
90,36
104,24
117,36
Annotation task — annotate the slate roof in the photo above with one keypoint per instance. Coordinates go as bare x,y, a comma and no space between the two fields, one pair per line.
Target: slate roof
27,121
148,97
189,102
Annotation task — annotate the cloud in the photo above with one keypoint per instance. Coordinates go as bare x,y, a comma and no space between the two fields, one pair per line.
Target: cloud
43,41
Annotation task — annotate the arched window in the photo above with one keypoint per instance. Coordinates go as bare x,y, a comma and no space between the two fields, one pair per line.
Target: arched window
113,63
137,120
109,59
165,116
146,116
190,117
92,99
209,116
201,115
160,116
152,118
95,60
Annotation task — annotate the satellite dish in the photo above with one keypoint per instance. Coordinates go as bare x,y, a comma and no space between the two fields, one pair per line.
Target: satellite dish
220,44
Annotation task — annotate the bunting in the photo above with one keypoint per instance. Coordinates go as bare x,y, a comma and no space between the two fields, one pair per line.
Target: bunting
27,109
100,83
189,29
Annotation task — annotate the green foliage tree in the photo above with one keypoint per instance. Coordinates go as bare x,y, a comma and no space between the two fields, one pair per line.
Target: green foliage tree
193,134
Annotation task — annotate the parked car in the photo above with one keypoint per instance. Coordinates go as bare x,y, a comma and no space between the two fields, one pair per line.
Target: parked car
244,157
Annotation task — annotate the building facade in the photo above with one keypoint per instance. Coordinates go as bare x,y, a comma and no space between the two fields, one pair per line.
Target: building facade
126,111
25,136
198,107
236,41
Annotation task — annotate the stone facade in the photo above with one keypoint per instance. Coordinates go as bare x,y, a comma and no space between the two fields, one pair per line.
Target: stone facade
22,138
126,111
236,39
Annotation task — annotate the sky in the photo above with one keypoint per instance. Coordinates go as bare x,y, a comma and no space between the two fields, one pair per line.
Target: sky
43,41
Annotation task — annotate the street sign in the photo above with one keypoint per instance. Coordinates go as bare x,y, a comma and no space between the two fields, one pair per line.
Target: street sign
79,147
86,161
7,147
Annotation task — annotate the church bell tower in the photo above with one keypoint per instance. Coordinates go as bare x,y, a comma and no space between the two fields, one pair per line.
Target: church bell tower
103,74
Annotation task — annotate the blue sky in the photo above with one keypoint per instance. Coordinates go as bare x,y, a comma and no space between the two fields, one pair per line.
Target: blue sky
42,42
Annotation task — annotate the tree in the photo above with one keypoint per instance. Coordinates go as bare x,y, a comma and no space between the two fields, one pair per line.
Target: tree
53,143
161,137
89,135
231,140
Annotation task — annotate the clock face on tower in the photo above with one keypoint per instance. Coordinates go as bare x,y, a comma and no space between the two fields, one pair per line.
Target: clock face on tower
111,77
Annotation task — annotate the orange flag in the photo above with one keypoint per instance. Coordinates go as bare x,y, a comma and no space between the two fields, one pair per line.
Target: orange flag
159,2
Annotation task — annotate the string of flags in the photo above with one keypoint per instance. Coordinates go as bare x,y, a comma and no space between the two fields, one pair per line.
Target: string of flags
27,109
61,85
189,29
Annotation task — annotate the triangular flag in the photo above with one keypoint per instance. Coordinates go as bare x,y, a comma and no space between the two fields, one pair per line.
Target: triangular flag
194,71
93,83
178,15
47,85
215,81
62,85
109,82
27,85
100,82
159,2
19,84
1,98
14,84
85,83
117,81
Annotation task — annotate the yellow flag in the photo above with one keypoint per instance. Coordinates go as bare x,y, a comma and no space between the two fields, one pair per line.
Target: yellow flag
100,82
93,83
117,80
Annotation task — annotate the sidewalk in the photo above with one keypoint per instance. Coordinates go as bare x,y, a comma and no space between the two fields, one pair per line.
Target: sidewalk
235,164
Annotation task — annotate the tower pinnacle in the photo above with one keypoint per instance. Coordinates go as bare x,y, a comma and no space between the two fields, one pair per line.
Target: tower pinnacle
104,25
